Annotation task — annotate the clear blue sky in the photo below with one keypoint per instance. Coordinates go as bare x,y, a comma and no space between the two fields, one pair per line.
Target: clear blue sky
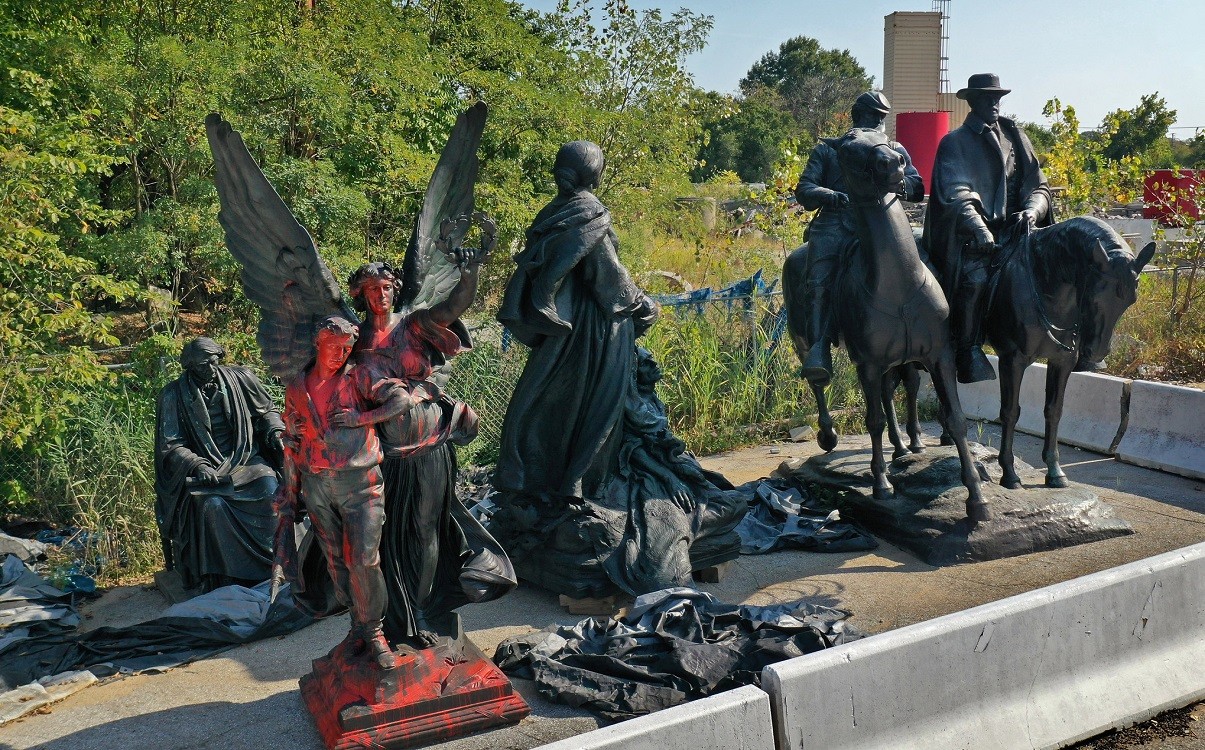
1097,55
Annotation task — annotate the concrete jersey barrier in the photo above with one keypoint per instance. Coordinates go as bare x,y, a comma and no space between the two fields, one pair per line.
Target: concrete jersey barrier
1093,405
1141,422
1094,408
1038,670
1166,429
736,720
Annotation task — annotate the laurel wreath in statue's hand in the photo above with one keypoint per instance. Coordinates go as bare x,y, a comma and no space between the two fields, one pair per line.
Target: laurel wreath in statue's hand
465,258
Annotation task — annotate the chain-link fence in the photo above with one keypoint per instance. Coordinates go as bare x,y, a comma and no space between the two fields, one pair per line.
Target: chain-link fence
730,375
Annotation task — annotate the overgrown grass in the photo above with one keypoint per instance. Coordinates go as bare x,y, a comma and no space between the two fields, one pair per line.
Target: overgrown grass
1148,345
98,475
700,258
726,383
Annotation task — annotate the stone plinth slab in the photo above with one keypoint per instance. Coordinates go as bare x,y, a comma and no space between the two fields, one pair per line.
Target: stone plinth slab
438,693
928,513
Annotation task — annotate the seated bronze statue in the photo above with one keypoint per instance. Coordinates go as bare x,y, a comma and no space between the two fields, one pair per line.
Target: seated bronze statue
217,457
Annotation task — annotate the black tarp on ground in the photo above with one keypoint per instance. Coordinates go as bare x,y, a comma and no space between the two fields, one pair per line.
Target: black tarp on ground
782,515
201,627
674,645
30,606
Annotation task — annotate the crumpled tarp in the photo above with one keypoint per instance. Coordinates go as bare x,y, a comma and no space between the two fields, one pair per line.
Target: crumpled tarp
29,606
779,517
675,645
26,549
201,627
20,701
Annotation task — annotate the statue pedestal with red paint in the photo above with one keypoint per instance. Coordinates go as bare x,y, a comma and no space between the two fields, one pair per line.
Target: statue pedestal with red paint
436,694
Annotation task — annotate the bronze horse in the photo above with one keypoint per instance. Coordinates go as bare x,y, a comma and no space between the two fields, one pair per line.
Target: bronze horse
890,309
1058,296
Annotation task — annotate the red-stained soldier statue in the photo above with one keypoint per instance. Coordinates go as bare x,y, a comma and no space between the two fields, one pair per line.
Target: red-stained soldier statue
335,473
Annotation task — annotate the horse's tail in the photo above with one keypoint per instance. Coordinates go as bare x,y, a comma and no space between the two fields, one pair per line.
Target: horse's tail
795,298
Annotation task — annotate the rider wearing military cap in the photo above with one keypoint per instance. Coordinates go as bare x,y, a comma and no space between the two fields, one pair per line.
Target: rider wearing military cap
831,234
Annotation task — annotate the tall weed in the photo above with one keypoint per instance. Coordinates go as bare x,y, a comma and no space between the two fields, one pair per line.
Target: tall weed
1148,343
98,474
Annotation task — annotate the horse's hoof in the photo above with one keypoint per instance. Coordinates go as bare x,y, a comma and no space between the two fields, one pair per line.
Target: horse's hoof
827,439
1058,483
1010,483
884,493
977,512
898,453
917,448
946,439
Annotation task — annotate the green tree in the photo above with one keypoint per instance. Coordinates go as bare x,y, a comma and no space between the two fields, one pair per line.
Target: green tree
1138,131
1076,162
640,100
796,94
747,137
1188,153
1039,135
46,213
815,85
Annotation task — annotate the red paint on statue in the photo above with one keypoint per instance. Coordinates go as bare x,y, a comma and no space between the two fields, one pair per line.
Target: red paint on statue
323,406
439,693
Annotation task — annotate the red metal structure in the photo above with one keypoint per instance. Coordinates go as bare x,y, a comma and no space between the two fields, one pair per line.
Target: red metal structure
920,132
1168,192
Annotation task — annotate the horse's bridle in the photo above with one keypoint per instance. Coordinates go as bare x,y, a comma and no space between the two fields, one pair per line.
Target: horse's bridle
1047,325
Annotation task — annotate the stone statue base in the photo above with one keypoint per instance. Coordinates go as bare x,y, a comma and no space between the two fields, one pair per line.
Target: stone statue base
437,694
927,516
171,586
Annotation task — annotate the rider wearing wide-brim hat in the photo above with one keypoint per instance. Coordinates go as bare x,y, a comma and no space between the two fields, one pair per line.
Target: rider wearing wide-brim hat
832,232
986,178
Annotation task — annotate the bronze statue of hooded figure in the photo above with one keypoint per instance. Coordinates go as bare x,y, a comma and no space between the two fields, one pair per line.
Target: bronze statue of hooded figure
575,305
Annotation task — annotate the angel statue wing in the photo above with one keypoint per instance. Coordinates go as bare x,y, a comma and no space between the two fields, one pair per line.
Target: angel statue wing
282,272
428,273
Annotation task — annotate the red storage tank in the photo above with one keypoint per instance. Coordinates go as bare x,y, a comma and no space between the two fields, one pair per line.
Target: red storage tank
1159,187
920,132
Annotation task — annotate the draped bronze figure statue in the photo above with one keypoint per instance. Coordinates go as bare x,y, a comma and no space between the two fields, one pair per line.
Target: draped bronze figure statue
594,494
218,455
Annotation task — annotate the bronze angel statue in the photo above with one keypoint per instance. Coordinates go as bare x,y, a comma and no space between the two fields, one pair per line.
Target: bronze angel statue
369,430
